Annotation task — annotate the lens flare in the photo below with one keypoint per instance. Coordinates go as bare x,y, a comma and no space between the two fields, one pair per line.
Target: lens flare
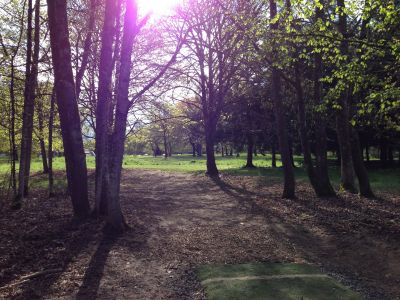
158,8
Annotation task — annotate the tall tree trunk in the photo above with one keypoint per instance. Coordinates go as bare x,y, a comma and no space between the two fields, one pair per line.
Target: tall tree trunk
13,147
50,145
103,105
305,144
320,185
250,139
289,181
358,159
165,144
43,154
199,150
321,149
75,158
343,116
193,149
41,137
359,167
27,118
169,149
390,155
86,47
116,69
273,155
212,169
291,156
250,145
383,151
115,218
367,153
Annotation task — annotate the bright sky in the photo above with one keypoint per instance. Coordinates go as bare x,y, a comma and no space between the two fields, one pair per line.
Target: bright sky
157,7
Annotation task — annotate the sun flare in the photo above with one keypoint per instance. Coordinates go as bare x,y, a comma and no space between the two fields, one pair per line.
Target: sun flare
158,8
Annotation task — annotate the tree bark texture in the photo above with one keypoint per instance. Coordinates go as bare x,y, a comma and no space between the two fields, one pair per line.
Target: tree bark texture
277,99
86,48
210,129
75,158
42,144
343,115
103,104
359,167
115,218
250,145
27,117
50,145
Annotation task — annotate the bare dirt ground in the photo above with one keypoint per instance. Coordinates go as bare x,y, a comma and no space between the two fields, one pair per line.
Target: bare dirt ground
180,221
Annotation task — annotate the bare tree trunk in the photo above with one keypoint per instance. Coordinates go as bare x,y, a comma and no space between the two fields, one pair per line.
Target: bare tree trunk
169,149
32,90
13,148
199,150
86,48
103,104
165,144
27,118
383,151
359,167
320,184
193,149
289,181
50,145
44,156
305,144
115,218
322,170
250,144
343,116
250,140
41,137
116,69
212,169
273,154
390,155
75,158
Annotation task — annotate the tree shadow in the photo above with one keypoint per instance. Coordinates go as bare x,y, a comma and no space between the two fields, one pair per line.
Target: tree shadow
83,233
94,272
343,235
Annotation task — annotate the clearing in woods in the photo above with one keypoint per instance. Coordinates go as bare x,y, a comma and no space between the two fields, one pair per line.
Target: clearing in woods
183,221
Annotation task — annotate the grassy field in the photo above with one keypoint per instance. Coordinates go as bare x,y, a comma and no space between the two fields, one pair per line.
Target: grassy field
271,281
381,179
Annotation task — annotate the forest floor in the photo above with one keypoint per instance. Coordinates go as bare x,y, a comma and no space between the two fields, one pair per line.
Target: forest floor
180,221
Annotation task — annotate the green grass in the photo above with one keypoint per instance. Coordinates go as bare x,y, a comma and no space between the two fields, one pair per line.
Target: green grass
385,179
310,288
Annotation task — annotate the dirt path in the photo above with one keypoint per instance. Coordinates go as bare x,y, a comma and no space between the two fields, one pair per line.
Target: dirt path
182,220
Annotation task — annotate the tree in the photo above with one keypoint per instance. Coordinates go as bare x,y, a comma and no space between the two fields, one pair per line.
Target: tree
289,182
75,158
104,103
216,50
29,98
10,53
131,28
